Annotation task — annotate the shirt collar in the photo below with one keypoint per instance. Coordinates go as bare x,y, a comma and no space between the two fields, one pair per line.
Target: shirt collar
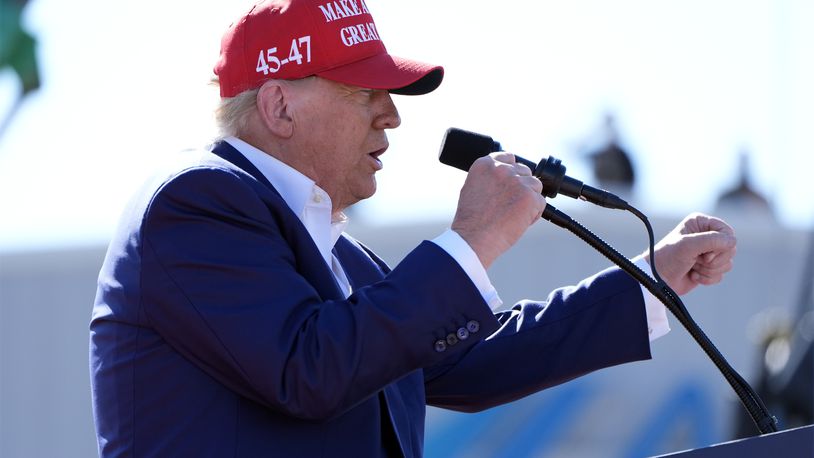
309,202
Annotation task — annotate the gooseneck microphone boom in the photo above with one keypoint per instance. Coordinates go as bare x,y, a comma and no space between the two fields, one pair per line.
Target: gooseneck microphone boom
461,148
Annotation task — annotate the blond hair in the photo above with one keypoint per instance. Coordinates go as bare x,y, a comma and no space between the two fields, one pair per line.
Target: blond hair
232,113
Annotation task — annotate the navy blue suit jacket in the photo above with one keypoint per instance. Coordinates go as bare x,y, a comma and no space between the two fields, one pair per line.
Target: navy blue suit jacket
218,330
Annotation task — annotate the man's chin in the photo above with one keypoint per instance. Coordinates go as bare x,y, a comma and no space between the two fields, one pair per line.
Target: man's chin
368,193
362,193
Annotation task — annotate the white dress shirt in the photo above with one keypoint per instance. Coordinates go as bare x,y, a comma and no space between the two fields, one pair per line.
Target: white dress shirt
312,205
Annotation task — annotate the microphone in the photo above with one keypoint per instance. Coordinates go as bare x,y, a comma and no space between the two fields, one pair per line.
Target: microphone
461,148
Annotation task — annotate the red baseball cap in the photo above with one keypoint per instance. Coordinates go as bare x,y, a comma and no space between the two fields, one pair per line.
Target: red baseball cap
336,40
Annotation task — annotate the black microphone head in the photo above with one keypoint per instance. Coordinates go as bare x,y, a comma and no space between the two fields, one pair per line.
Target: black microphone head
460,148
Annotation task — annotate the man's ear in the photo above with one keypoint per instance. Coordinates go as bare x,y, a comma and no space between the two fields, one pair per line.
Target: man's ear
272,106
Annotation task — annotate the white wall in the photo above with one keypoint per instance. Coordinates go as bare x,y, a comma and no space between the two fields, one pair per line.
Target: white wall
642,408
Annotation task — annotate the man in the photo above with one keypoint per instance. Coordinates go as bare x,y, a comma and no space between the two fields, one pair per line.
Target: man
235,318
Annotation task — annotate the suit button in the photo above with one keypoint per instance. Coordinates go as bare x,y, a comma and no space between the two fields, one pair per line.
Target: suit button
452,339
440,345
463,333
473,326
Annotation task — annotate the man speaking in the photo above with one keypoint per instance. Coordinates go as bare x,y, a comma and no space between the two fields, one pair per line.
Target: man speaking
234,317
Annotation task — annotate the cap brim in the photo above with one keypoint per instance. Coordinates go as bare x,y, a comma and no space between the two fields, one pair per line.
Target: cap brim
383,71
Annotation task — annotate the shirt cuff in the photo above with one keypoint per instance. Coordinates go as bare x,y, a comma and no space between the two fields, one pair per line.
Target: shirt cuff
465,256
657,324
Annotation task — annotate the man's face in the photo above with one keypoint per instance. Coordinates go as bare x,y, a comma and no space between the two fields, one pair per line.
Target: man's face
341,133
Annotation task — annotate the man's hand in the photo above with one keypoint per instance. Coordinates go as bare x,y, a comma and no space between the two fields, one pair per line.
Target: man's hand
500,199
698,251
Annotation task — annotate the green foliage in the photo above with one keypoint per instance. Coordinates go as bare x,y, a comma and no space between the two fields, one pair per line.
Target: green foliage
17,47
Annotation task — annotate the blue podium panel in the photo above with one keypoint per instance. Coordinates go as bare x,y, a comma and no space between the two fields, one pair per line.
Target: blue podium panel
793,443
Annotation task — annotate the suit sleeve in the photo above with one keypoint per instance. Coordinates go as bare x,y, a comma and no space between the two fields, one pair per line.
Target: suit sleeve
223,286
598,323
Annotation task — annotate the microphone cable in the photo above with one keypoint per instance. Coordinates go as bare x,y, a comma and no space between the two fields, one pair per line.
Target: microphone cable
764,421
460,148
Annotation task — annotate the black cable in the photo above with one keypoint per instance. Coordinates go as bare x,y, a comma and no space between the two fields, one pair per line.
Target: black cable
765,422
652,249
461,148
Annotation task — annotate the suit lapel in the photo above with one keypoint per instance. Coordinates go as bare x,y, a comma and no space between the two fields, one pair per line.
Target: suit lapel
363,268
229,153
309,261
360,268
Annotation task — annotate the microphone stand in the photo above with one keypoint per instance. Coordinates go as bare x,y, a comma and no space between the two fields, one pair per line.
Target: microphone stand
765,422
461,148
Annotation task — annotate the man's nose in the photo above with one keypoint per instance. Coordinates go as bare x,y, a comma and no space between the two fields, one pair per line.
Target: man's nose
388,117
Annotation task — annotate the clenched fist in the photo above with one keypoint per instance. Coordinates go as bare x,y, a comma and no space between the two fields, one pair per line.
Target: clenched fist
499,200
698,251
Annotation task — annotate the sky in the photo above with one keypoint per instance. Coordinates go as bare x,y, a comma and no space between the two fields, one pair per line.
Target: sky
691,84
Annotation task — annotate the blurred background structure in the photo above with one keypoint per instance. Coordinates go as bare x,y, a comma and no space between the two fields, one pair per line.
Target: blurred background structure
743,197
611,163
701,106
17,52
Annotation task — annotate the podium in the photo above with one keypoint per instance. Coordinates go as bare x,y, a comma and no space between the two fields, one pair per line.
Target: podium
792,443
